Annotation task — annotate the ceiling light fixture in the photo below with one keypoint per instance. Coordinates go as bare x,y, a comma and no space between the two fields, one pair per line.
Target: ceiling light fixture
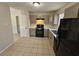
36,3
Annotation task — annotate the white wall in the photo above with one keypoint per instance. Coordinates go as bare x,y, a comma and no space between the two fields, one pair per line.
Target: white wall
14,13
56,19
23,21
6,36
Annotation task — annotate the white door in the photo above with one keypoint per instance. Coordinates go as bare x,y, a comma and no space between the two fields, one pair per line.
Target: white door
26,26
61,16
17,23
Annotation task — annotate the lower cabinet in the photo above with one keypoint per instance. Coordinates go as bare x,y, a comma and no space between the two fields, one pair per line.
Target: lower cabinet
51,38
32,32
55,45
45,32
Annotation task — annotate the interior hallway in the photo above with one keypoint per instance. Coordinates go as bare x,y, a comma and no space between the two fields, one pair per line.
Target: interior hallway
31,46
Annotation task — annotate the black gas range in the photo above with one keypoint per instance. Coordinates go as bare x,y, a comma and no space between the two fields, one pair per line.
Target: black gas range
40,30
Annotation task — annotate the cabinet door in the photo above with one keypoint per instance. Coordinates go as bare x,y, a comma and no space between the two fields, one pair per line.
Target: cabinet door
51,38
32,32
71,12
46,32
49,34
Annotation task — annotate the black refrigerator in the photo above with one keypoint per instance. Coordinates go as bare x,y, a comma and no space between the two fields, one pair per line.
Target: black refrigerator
68,37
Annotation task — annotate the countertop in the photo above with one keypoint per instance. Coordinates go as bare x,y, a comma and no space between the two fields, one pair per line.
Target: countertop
53,31
46,26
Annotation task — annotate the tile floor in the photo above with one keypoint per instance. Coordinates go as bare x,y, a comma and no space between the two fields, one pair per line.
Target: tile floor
31,46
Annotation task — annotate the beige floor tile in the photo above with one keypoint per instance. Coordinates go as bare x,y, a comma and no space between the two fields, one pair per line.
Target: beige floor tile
29,52
34,51
32,46
43,52
51,52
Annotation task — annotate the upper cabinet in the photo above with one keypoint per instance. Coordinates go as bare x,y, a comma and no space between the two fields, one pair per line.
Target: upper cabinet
48,18
51,19
72,12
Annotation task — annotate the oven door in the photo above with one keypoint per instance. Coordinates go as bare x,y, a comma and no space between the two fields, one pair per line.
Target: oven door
39,32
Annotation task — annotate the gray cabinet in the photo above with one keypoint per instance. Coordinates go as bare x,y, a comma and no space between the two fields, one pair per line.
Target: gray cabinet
51,38
72,12
45,32
32,32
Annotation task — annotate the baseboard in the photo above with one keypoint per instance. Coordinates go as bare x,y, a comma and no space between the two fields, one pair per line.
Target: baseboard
7,47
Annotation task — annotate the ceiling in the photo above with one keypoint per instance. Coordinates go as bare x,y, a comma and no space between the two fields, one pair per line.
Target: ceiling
44,6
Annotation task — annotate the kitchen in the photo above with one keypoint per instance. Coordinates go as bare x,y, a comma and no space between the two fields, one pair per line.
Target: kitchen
34,32
53,30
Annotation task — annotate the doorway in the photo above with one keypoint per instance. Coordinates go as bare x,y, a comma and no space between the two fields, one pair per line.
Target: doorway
17,24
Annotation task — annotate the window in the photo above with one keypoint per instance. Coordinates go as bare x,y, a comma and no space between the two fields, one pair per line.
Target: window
61,16
57,18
